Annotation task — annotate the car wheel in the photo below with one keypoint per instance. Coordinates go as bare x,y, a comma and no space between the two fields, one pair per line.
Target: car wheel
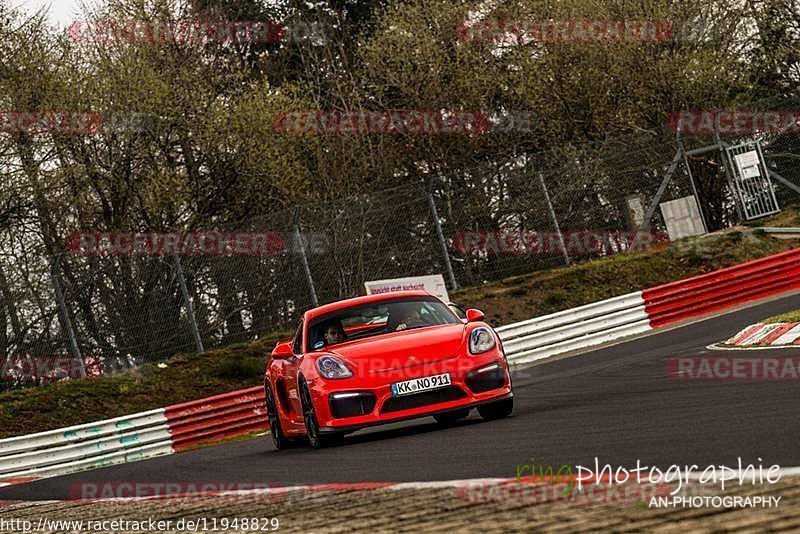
279,439
315,438
497,410
451,417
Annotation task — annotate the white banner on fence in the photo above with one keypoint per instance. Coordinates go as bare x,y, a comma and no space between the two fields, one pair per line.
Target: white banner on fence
749,164
432,284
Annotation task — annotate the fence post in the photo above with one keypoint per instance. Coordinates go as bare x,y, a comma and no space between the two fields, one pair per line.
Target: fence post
651,210
66,320
784,181
553,218
188,302
694,188
440,236
302,249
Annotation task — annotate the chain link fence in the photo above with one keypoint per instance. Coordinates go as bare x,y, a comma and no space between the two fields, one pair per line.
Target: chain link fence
87,311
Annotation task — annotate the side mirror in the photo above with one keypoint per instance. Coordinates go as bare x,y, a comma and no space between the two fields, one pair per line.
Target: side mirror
474,315
283,351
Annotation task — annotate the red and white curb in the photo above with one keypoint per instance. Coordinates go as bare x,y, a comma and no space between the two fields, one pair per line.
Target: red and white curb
765,335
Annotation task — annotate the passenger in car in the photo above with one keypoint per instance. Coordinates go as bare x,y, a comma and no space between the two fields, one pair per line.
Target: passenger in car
409,317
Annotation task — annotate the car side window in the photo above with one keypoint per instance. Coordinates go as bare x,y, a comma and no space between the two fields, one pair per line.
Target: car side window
458,310
297,346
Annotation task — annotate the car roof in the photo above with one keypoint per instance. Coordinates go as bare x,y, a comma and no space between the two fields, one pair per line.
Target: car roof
358,301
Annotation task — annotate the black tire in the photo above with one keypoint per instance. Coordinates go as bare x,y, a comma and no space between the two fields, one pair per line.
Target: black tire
316,439
448,418
497,410
279,439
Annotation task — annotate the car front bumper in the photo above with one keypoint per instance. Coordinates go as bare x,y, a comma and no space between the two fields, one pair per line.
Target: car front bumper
350,404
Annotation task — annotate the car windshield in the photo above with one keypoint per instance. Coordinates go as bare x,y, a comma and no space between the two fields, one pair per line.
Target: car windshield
375,319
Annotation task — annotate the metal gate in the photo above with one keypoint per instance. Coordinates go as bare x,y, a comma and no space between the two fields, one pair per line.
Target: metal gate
751,182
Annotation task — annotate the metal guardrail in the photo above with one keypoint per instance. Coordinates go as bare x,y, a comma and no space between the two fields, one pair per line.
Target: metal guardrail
574,329
85,446
215,418
133,437
636,313
724,288
786,231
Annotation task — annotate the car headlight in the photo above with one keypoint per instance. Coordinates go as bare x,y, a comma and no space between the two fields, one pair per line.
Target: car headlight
332,367
481,340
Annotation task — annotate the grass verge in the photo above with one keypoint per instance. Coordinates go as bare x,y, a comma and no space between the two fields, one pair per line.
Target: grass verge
788,317
789,217
182,378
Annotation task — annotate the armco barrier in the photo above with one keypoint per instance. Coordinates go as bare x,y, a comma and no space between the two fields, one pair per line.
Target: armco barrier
564,331
215,418
722,289
133,437
641,311
85,446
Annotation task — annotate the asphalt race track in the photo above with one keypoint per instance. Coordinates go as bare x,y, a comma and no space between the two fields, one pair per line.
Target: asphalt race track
616,403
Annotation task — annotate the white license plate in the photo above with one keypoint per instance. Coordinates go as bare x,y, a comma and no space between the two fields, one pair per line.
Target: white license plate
419,385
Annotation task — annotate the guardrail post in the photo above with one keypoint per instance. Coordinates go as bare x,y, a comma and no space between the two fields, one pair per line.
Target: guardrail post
554,219
306,269
440,236
188,302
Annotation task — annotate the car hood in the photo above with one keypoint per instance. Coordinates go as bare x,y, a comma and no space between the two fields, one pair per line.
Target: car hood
404,348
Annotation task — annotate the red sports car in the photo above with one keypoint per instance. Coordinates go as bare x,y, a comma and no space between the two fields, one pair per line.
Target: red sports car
381,359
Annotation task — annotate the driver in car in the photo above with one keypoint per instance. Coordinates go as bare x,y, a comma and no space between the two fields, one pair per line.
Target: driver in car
333,333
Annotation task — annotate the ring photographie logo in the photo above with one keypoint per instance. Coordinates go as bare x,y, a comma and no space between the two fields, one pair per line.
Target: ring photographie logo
683,486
